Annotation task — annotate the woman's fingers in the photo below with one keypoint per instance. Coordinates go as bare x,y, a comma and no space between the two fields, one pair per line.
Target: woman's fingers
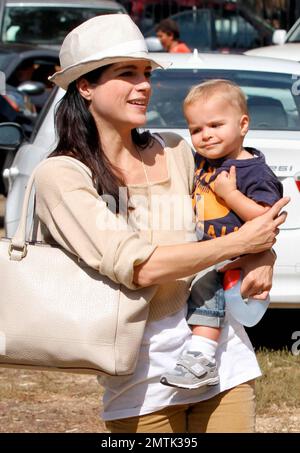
260,233
261,296
255,287
274,211
280,219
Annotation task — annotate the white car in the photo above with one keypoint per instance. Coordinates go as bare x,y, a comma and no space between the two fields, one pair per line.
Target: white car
272,90
287,45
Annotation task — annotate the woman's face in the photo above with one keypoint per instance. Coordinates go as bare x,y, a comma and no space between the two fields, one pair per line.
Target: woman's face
122,94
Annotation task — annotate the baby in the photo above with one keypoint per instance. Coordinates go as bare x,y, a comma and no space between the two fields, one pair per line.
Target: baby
233,184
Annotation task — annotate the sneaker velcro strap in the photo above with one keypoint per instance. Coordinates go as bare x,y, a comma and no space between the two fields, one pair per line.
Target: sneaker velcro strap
195,365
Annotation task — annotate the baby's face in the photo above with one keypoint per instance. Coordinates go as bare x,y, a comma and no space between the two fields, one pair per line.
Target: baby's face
217,127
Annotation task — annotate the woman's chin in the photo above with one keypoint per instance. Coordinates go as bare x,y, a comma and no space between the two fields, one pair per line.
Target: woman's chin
139,122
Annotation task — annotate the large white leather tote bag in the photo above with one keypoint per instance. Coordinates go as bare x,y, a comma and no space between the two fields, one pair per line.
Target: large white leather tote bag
56,313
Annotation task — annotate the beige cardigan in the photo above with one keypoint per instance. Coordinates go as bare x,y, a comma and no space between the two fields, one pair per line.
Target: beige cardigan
72,214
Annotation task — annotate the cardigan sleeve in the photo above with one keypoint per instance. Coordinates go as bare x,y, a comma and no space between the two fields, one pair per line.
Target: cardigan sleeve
80,221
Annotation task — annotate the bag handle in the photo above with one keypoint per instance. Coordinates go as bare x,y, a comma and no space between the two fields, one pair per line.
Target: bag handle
17,248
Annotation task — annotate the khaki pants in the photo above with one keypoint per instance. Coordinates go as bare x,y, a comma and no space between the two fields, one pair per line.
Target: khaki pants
232,411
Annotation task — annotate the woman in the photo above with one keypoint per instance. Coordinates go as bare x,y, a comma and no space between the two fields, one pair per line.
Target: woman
106,71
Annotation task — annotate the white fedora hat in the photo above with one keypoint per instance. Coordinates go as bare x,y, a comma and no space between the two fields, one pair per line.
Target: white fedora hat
100,41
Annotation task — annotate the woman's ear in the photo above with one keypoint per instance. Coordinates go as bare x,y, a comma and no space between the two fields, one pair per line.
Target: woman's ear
244,124
84,88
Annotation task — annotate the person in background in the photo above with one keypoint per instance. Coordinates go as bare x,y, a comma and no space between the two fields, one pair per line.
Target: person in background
168,33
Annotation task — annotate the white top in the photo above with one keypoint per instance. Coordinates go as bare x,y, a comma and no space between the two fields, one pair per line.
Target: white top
164,341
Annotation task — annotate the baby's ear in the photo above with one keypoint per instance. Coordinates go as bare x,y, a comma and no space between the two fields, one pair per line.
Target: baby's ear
244,124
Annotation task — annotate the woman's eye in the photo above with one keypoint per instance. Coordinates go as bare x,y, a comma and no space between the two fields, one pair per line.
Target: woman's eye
147,74
126,74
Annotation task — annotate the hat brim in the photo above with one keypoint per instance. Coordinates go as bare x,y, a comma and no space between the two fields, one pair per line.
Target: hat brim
64,77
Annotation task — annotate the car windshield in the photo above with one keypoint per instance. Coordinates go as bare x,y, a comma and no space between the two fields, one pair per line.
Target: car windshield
45,24
272,98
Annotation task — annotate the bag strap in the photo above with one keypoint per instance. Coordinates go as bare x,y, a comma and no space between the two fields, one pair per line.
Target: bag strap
18,248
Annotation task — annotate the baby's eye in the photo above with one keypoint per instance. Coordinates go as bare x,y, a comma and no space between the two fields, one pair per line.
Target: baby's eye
148,74
195,131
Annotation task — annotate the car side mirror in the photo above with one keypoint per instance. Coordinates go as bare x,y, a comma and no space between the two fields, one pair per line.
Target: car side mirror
279,37
29,87
11,136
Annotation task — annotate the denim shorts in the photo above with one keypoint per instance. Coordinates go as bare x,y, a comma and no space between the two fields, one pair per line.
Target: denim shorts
206,304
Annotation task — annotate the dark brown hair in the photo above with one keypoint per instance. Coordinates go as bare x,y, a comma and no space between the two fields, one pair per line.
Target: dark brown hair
78,137
170,27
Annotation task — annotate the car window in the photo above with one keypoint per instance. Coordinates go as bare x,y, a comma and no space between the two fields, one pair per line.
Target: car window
44,24
4,60
196,29
235,32
271,101
36,69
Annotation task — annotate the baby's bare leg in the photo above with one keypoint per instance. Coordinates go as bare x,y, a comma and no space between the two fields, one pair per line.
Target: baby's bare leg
213,333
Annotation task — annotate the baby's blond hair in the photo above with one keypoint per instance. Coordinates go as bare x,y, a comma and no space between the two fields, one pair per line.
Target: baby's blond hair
230,91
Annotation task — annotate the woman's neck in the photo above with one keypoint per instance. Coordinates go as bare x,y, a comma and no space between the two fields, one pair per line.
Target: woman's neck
119,149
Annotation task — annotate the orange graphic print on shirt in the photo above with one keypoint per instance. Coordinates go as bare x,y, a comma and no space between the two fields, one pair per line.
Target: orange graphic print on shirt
211,211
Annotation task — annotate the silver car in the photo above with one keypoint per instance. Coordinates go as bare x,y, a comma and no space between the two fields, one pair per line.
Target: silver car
47,23
272,88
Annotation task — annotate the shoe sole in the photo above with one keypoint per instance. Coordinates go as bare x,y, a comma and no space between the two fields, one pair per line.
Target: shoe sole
211,381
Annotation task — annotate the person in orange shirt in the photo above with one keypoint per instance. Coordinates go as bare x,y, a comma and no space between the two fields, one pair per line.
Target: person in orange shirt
168,33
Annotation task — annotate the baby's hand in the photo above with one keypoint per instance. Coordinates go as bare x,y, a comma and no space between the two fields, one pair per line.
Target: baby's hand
225,183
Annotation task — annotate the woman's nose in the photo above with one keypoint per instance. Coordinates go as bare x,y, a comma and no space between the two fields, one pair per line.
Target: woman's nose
144,85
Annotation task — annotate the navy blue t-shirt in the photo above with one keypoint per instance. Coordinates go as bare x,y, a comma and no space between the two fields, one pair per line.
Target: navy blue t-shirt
254,179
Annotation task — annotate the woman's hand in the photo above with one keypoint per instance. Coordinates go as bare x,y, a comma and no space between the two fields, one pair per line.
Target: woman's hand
259,234
257,273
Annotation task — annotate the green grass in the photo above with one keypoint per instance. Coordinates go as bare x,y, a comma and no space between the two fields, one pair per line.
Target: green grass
280,384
